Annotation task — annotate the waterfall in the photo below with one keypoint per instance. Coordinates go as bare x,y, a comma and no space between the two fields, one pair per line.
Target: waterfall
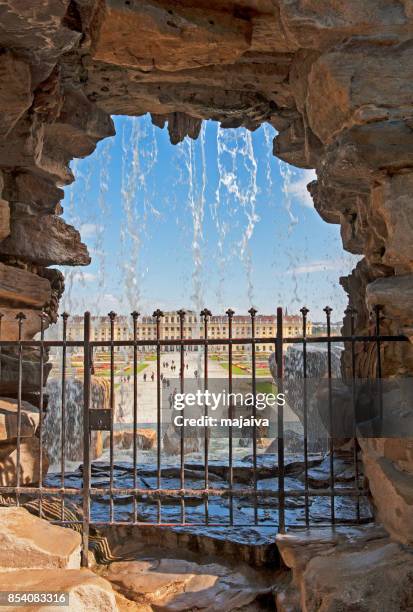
217,212
79,212
316,381
286,173
74,203
223,198
52,425
236,193
193,159
139,157
104,182
129,232
269,158
197,207
249,202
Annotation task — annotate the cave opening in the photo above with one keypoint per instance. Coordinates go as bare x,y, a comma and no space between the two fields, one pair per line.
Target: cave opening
218,214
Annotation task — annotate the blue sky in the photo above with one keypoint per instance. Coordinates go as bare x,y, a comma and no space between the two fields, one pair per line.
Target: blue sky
216,222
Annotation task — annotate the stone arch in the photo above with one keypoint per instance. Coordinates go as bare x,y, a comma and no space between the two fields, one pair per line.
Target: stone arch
332,76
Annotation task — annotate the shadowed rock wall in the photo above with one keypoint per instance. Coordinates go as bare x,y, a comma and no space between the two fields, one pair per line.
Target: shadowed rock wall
334,77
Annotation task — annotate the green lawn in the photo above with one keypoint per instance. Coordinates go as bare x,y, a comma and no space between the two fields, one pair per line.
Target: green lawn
235,369
260,373
265,373
266,387
127,372
141,366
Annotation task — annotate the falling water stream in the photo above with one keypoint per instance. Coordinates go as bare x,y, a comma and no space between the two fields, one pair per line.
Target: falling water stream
236,193
139,158
226,200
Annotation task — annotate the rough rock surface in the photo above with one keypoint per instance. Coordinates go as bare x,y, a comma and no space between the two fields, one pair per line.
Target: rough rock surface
23,288
346,569
8,420
389,468
26,463
87,592
37,556
176,584
145,439
334,78
31,542
29,459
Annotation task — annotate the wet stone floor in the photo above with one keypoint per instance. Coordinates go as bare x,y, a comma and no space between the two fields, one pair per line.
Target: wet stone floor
251,517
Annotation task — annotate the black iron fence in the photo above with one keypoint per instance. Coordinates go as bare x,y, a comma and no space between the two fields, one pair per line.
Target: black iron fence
277,490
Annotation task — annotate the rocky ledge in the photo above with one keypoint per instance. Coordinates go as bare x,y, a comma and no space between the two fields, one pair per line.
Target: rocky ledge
38,557
177,584
346,569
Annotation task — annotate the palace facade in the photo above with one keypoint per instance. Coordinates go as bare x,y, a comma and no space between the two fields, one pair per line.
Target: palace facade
265,327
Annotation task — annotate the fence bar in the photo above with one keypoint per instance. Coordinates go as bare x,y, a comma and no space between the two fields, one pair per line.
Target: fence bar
204,315
198,524
230,313
112,317
211,341
377,310
135,316
65,317
328,312
20,318
158,314
41,384
280,421
86,439
1,347
177,492
253,312
352,313
304,311
181,314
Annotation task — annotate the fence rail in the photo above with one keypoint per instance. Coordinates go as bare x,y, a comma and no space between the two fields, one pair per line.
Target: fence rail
157,494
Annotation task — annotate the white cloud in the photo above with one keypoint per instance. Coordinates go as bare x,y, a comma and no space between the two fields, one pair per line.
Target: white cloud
322,265
89,230
298,187
83,276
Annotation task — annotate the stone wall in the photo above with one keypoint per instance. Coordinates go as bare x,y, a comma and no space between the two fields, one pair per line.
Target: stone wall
334,77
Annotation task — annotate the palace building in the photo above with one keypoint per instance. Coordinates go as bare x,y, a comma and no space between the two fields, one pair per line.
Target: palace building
265,327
